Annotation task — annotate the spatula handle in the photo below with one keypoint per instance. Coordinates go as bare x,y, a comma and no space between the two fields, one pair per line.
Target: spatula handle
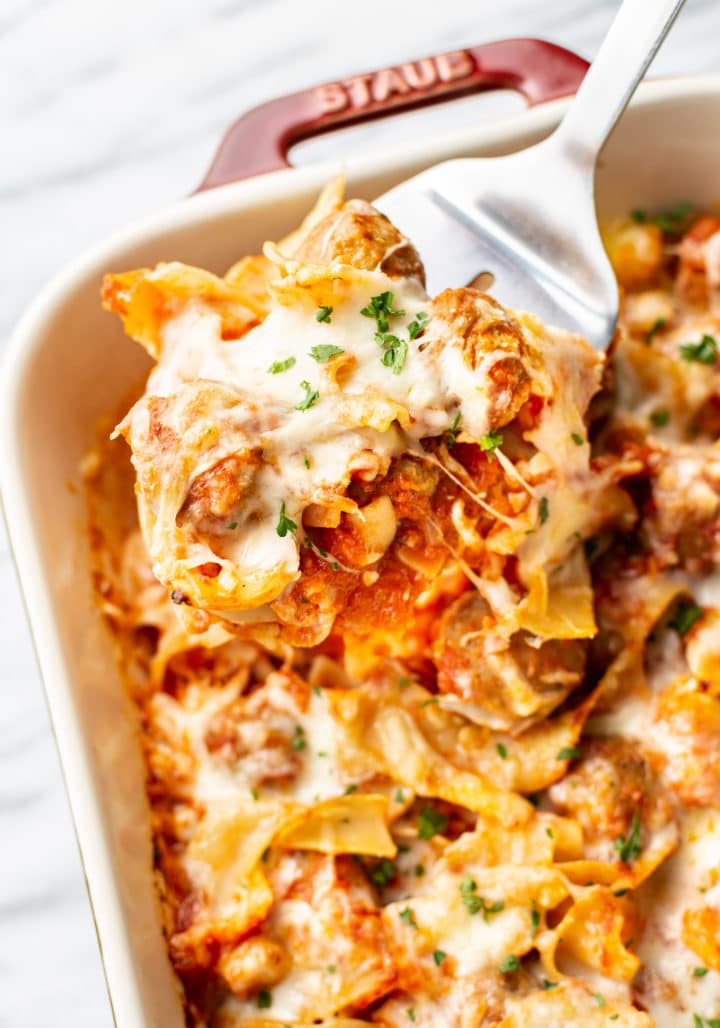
628,49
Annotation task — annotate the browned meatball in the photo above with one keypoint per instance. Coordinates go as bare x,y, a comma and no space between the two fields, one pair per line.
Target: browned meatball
357,234
511,687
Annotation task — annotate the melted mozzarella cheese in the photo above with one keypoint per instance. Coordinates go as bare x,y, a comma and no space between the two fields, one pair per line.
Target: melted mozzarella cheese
672,988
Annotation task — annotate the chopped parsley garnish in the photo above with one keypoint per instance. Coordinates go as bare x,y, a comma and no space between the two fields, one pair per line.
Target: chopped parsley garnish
408,917
232,525
452,432
311,396
568,753
430,822
419,870
306,461
685,617
671,220
323,314
399,797
350,790
577,438
490,442
324,351
317,691
550,833
298,741
660,418
395,354
330,969
703,352
548,984
638,216
417,325
656,326
509,964
534,920
255,794
383,872
380,309
502,750
544,509
264,1000
599,999
410,1013
699,972
474,903
285,524
438,956
629,846
279,366
613,1017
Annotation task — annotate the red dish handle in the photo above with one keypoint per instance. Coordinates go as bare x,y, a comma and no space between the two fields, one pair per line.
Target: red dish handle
259,141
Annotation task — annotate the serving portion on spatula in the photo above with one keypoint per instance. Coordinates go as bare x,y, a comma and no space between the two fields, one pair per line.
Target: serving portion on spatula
528,219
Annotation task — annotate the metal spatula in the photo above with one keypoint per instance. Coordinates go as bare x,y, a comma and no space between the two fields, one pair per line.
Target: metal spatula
529,218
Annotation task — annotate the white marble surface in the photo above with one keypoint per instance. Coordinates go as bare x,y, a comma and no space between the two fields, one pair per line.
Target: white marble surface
107,111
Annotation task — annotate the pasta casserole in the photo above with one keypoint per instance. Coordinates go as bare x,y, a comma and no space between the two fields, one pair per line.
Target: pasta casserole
418,601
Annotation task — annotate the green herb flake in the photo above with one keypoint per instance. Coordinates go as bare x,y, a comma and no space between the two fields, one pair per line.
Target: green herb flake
599,999
685,617
614,1017
697,1021
547,985
703,352
232,525
660,418
264,1000
411,1014
408,917
699,972
324,351
638,216
279,366
502,750
306,462
438,956
671,220
255,794
451,433
509,964
419,870
490,442
285,524
430,822
543,509
380,309
383,872
417,325
657,326
331,969
577,439
534,920
399,797
395,353
298,741
549,832
350,790
317,691
311,396
629,847
568,753
323,314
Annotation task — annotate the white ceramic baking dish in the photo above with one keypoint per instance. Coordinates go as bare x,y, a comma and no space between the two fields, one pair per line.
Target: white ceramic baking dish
68,364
